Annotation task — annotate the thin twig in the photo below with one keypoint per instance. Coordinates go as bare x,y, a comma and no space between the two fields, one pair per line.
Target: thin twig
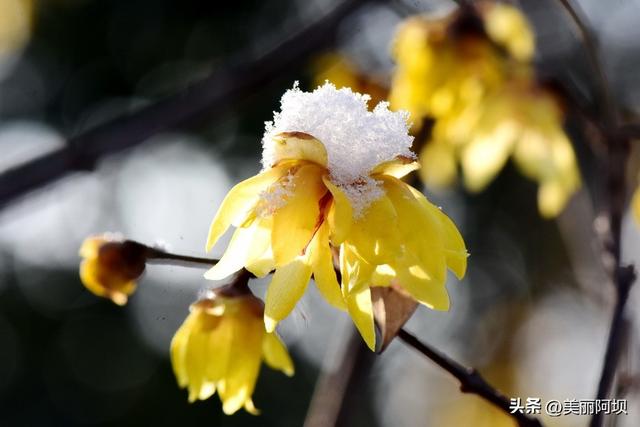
625,278
470,380
158,256
205,99
153,255
616,161
591,48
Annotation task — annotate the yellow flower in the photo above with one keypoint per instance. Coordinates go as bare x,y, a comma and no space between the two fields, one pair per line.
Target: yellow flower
485,105
520,120
331,187
290,216
438,69
111,266
220,346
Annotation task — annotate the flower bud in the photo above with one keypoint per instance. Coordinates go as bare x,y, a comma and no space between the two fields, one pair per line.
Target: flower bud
111,266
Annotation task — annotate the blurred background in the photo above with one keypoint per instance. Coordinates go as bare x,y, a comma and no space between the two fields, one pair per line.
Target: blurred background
532,313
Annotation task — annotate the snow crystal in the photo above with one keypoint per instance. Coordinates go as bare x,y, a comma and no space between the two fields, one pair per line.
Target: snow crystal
275,196
361,194
356,139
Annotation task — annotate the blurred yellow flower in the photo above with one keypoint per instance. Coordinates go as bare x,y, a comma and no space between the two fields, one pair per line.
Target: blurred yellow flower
439,70
111,266
220,347
521,121
486,106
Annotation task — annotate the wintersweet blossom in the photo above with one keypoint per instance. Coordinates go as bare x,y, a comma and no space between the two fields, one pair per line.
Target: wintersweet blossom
111,266
469,73
441,66
520,121
220,347
330,185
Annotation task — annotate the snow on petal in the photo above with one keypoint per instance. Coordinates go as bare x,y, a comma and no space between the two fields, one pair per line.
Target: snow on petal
356,139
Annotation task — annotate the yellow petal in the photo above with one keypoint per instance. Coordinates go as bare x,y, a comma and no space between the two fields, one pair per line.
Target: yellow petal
250,407
455,249
298,146
276,355
259,259
340,214
235,257
483,158
383,275
324,273
295,222
178,352
91,246
552,197
356,272
439,168
239,201
454,246
105,284
374,236
89,277
427,245
219,350
244,365
361,311
398,167
197,357
286,288
507,26
417,282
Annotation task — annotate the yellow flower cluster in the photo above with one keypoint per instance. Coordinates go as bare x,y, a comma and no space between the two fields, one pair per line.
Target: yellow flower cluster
220,347
307,214
470,74
400,240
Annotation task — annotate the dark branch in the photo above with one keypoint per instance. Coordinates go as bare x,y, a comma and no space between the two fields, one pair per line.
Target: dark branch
625,278
207,98
158,256
605,100
630,131
616,161
470,380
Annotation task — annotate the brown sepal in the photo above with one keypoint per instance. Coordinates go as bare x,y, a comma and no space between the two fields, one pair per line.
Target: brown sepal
392,307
